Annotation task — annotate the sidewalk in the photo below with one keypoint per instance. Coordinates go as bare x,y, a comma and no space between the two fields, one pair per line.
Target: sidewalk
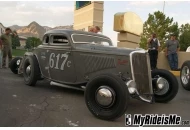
176,73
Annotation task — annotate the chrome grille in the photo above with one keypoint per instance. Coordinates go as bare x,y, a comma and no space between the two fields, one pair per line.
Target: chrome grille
141,73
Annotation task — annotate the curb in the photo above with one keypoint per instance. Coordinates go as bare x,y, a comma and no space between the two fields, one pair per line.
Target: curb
176,73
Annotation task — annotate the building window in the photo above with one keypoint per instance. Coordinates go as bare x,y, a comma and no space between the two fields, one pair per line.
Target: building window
80,4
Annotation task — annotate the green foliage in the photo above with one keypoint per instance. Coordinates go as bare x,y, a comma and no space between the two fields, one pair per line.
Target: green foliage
143,43
32,42
184,38
161,25
28,43
15,42
18,52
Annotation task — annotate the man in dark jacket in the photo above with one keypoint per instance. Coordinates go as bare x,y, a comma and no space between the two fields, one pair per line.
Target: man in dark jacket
153,47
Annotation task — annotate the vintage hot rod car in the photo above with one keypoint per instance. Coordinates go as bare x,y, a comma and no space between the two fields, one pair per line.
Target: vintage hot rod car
110,76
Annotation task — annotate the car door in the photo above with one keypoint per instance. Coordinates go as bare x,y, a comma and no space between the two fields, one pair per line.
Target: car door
43,56
61,65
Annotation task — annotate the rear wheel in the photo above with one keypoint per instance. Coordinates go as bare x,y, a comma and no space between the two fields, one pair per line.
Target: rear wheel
107,97
31,71
165,85
14,64
185,75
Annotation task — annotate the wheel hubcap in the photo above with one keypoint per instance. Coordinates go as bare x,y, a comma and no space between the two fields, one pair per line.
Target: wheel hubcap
162,86
185,75
28,70
18,62
105,96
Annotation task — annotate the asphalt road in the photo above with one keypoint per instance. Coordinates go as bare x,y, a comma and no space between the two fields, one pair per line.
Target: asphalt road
45,105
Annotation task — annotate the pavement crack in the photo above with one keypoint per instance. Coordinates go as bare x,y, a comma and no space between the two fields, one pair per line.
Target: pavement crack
43,108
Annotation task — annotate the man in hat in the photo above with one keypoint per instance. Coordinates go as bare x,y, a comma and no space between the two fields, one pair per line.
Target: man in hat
172,48
153,47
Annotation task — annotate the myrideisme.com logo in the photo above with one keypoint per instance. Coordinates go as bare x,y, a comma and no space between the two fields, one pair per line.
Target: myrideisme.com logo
152,119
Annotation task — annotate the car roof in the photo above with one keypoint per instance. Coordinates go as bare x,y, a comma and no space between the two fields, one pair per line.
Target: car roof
70,32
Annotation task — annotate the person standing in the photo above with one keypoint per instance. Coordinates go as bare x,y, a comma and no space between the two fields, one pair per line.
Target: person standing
172,48
7,45
97,30
153,47
91,29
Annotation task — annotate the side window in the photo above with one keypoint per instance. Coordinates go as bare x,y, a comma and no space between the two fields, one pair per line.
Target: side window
60,40
46,39
105,43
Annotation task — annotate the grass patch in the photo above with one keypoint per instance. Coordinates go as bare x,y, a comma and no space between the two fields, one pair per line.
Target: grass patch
18,52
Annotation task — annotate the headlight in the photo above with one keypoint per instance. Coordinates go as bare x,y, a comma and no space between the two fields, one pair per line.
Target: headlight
131,86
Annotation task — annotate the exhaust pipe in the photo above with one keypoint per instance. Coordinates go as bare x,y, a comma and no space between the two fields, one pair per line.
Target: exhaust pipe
65,86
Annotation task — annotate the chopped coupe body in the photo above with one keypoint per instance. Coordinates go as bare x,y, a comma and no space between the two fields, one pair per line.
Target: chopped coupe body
109,75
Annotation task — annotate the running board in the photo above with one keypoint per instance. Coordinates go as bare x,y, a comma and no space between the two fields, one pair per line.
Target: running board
67,86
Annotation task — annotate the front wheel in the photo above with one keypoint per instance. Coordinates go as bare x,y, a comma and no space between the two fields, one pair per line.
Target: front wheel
165,85
107,97
31,71
185,75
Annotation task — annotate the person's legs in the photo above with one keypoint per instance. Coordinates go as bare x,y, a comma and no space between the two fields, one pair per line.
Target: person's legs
156,58
170,61
10,54
151,58
5,52
175,59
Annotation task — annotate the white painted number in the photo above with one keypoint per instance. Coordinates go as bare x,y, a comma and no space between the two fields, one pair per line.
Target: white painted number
51,61
63,64
58,57
56,67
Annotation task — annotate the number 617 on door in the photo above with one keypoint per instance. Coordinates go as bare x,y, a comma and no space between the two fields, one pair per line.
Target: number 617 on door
58,58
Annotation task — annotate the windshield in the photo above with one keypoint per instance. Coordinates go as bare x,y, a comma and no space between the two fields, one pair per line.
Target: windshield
90,39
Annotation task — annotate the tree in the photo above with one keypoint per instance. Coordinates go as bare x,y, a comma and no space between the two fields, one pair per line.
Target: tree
161,25
184,38
15,42
32,42
28,43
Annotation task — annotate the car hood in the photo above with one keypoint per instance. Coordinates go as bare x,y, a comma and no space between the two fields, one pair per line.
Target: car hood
106,49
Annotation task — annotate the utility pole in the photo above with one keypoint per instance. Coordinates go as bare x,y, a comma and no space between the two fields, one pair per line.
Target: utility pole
163,7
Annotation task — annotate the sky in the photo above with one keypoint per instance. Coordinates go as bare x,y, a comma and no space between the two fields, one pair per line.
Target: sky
60,13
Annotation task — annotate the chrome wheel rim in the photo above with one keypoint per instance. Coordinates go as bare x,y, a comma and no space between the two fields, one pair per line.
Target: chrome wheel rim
18,62
162,86
105,96
28,70
185,75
